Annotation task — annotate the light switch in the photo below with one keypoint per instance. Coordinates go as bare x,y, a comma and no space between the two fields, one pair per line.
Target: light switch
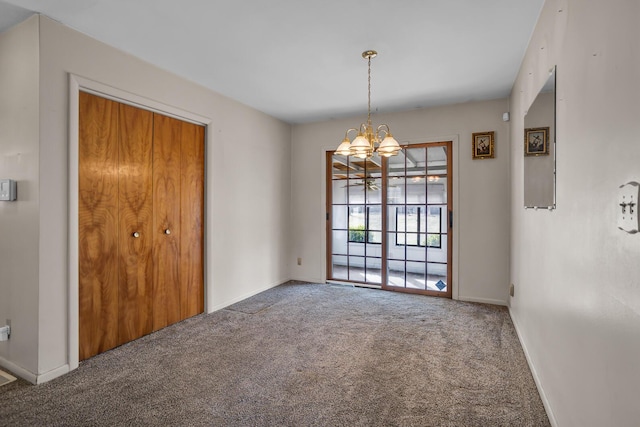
8,190
628,207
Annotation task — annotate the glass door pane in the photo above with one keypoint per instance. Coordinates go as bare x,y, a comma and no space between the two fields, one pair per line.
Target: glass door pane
418,255
355,205
437,227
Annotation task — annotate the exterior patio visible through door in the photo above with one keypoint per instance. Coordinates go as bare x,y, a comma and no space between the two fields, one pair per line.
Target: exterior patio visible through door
389,220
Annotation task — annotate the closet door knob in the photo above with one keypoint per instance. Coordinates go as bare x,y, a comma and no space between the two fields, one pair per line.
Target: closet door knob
167,231
136,234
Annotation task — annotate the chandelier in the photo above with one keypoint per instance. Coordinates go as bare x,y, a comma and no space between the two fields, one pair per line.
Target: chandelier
366,140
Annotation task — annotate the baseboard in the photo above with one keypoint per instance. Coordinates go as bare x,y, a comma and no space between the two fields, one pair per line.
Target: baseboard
534,373
482,300
308,280
244,296
30,376
19,371
54,373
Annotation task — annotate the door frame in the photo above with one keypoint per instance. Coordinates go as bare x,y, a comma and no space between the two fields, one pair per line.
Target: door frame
76,85
455,202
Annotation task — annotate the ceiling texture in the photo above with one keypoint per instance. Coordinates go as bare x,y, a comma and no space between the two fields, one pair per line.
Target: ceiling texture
300,60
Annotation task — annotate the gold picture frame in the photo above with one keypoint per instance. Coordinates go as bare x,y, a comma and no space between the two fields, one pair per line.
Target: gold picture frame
536,141
482,145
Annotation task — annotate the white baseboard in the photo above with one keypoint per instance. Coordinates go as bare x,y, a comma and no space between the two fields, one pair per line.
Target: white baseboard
534,373
54,373
482,300
308,279
19,371
30,376
243,297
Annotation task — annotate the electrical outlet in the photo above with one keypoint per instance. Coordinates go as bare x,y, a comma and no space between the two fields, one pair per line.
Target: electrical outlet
512,289
299,261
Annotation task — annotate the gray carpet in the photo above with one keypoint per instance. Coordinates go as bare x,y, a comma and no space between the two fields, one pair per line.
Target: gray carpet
302,355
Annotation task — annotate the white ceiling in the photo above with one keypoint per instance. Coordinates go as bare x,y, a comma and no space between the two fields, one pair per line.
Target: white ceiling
300,60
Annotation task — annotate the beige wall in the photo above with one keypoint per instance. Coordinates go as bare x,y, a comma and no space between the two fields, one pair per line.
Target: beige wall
481,192
247,189
19,160
576,276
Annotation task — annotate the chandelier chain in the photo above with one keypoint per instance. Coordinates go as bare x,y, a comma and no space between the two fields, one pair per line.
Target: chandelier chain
369,94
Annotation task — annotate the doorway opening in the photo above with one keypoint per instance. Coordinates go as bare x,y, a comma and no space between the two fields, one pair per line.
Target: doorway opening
389,220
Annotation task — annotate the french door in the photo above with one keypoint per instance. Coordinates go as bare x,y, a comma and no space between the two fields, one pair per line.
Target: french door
389,221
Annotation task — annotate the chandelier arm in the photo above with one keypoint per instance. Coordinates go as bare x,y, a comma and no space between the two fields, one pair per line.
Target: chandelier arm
346,134
381,128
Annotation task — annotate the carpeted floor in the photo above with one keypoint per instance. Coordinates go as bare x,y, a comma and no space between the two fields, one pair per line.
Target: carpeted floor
302,355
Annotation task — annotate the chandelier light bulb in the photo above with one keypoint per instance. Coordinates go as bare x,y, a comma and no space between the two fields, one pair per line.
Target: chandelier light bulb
345,148
360,143
389,146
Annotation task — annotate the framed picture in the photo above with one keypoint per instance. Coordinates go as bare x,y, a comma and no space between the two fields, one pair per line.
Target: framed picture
536,141
482,144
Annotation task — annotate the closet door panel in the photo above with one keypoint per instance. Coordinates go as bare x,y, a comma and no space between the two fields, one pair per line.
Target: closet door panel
98,225
192,207
166,219
135,223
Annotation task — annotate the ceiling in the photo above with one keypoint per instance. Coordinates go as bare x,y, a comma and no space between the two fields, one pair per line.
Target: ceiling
300,60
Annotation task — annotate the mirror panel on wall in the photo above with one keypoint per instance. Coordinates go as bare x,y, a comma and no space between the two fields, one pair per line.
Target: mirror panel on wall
540,148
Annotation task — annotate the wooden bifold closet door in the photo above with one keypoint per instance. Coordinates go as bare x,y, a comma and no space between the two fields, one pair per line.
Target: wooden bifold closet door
141,198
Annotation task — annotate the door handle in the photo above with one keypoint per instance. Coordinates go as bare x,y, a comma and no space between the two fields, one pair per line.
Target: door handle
136,234
167,231
450,219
